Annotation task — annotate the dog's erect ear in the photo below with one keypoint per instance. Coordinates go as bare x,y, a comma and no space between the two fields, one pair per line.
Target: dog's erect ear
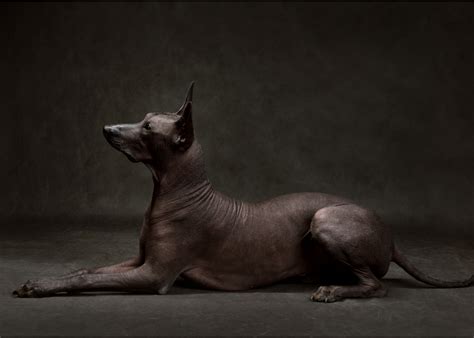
189,98
184,124
189,93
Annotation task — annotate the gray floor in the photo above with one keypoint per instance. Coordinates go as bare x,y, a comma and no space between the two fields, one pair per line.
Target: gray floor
54,247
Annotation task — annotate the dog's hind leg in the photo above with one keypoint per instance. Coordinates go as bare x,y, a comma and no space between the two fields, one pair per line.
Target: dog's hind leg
139,279
368,286
355,240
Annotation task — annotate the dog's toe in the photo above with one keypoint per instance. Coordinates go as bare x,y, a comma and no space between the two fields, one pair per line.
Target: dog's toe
325,294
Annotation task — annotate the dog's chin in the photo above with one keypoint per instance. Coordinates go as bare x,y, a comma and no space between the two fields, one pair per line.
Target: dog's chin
118,146
130,157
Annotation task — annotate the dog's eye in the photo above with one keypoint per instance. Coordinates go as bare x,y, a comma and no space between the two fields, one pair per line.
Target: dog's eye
147,126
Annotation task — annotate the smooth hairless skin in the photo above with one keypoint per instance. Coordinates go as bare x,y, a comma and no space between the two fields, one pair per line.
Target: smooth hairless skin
196,233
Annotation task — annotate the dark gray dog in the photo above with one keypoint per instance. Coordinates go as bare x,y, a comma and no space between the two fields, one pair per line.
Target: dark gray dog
196,233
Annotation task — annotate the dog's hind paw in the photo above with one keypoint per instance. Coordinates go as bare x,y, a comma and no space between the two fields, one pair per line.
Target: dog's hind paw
325,294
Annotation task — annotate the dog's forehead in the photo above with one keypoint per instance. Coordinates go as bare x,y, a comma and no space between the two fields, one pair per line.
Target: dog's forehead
162,117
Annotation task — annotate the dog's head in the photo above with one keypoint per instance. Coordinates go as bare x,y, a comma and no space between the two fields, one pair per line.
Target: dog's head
158,137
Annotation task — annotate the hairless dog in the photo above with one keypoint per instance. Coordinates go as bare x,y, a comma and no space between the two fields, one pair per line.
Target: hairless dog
194,232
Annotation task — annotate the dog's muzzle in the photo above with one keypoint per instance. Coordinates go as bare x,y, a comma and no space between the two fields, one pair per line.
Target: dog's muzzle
110,131
113,135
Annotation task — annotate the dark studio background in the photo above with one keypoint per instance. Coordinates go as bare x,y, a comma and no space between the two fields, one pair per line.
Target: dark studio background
369,101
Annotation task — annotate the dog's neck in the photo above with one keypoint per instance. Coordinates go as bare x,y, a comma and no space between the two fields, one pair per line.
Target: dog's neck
180,176
183,191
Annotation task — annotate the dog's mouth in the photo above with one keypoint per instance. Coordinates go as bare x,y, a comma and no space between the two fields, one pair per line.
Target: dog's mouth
119,145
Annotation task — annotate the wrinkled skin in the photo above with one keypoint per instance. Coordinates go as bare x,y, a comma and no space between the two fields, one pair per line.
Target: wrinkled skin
194,232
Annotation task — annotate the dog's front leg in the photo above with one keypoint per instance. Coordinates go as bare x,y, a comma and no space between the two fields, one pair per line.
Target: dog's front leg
120,267
143,278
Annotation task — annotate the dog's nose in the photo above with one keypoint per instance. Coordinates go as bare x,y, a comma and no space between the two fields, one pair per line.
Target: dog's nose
106,130
110,130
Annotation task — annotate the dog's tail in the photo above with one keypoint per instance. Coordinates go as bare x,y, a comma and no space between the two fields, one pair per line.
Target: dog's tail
405,264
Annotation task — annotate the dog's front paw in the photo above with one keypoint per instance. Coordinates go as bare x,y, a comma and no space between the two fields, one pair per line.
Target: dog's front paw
325,294
31,289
